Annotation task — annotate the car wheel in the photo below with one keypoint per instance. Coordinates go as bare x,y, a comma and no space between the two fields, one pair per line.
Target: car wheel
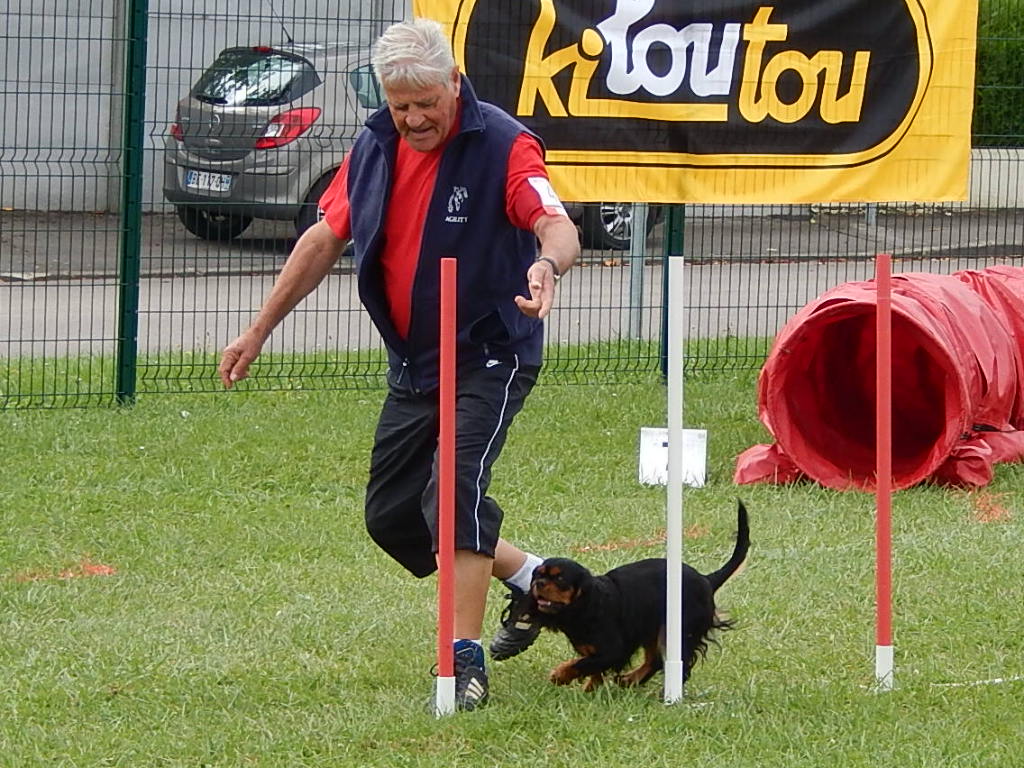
610,225
211,225
309,213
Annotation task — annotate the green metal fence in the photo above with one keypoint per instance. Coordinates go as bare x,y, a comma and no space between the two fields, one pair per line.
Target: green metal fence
108,292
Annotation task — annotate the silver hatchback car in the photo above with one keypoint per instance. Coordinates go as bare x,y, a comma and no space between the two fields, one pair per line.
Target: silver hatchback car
262,133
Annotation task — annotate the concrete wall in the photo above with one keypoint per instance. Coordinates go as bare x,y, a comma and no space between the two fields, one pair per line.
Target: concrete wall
61,83
58,101
997,178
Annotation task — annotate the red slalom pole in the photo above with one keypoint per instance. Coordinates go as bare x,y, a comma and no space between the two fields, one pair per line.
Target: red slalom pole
883,473
445,695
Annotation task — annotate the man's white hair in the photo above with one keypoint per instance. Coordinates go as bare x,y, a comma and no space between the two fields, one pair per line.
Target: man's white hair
413,54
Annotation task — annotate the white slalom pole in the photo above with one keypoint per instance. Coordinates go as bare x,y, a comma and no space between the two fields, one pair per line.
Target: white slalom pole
674,523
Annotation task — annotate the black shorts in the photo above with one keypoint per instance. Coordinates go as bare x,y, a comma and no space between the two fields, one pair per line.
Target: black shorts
401,496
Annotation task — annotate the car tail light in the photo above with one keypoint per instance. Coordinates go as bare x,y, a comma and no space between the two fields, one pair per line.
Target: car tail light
287,127
176,131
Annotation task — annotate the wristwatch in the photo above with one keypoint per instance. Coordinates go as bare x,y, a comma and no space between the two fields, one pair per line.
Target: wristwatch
554,267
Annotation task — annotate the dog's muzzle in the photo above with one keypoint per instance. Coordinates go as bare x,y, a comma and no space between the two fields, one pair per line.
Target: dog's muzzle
549,599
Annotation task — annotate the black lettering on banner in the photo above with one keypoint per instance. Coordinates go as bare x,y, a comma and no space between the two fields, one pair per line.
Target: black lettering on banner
805,81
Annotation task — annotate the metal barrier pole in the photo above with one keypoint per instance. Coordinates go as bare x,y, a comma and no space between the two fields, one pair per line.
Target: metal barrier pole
637,260
133,113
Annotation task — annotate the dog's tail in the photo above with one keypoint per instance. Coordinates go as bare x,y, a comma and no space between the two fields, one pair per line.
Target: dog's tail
739,552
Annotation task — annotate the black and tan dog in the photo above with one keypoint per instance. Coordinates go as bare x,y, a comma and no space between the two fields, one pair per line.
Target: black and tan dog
608,618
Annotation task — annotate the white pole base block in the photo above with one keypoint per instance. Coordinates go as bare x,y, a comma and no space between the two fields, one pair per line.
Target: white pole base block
883,668
673,681
444,701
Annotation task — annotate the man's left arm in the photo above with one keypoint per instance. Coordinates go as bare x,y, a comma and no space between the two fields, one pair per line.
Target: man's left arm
559,249
532,204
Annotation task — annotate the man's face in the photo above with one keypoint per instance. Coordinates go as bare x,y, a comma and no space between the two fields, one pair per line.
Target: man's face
424,116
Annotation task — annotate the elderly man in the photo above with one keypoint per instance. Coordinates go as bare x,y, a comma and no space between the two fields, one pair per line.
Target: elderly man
439,173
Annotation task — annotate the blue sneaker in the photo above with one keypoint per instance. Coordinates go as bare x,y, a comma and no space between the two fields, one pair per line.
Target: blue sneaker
471,688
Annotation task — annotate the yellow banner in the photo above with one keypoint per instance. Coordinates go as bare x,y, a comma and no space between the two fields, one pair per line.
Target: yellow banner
731,101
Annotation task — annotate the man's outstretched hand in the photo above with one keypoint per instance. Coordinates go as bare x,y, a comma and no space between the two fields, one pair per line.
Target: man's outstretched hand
541,281
236,357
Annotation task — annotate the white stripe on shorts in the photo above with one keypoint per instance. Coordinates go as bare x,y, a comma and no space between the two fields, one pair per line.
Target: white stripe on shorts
480,474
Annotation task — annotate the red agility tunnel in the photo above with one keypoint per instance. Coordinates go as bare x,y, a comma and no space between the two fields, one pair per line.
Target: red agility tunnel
957,384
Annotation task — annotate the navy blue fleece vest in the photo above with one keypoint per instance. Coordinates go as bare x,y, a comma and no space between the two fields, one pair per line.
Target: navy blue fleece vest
465,219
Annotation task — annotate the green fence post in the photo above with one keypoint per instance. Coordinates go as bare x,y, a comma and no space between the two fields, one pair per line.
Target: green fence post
675,220
133,115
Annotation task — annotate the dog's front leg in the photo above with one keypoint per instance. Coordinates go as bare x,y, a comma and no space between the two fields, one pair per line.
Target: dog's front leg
653,662
593,682
592,664
568,671
565,672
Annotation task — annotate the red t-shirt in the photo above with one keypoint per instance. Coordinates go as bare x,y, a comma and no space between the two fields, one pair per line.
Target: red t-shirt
528,196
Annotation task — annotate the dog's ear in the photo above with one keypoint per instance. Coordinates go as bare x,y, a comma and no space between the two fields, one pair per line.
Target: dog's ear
577,577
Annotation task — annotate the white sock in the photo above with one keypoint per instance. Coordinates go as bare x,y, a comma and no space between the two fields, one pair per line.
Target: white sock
521,578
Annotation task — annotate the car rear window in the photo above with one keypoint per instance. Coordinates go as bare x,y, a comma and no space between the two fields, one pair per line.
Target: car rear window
251,77
365,85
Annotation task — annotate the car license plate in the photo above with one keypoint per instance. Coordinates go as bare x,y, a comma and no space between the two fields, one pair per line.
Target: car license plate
208,181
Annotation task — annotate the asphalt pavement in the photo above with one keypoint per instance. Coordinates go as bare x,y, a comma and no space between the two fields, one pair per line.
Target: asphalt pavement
744,276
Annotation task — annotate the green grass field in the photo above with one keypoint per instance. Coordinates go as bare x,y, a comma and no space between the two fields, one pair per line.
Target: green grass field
188,583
